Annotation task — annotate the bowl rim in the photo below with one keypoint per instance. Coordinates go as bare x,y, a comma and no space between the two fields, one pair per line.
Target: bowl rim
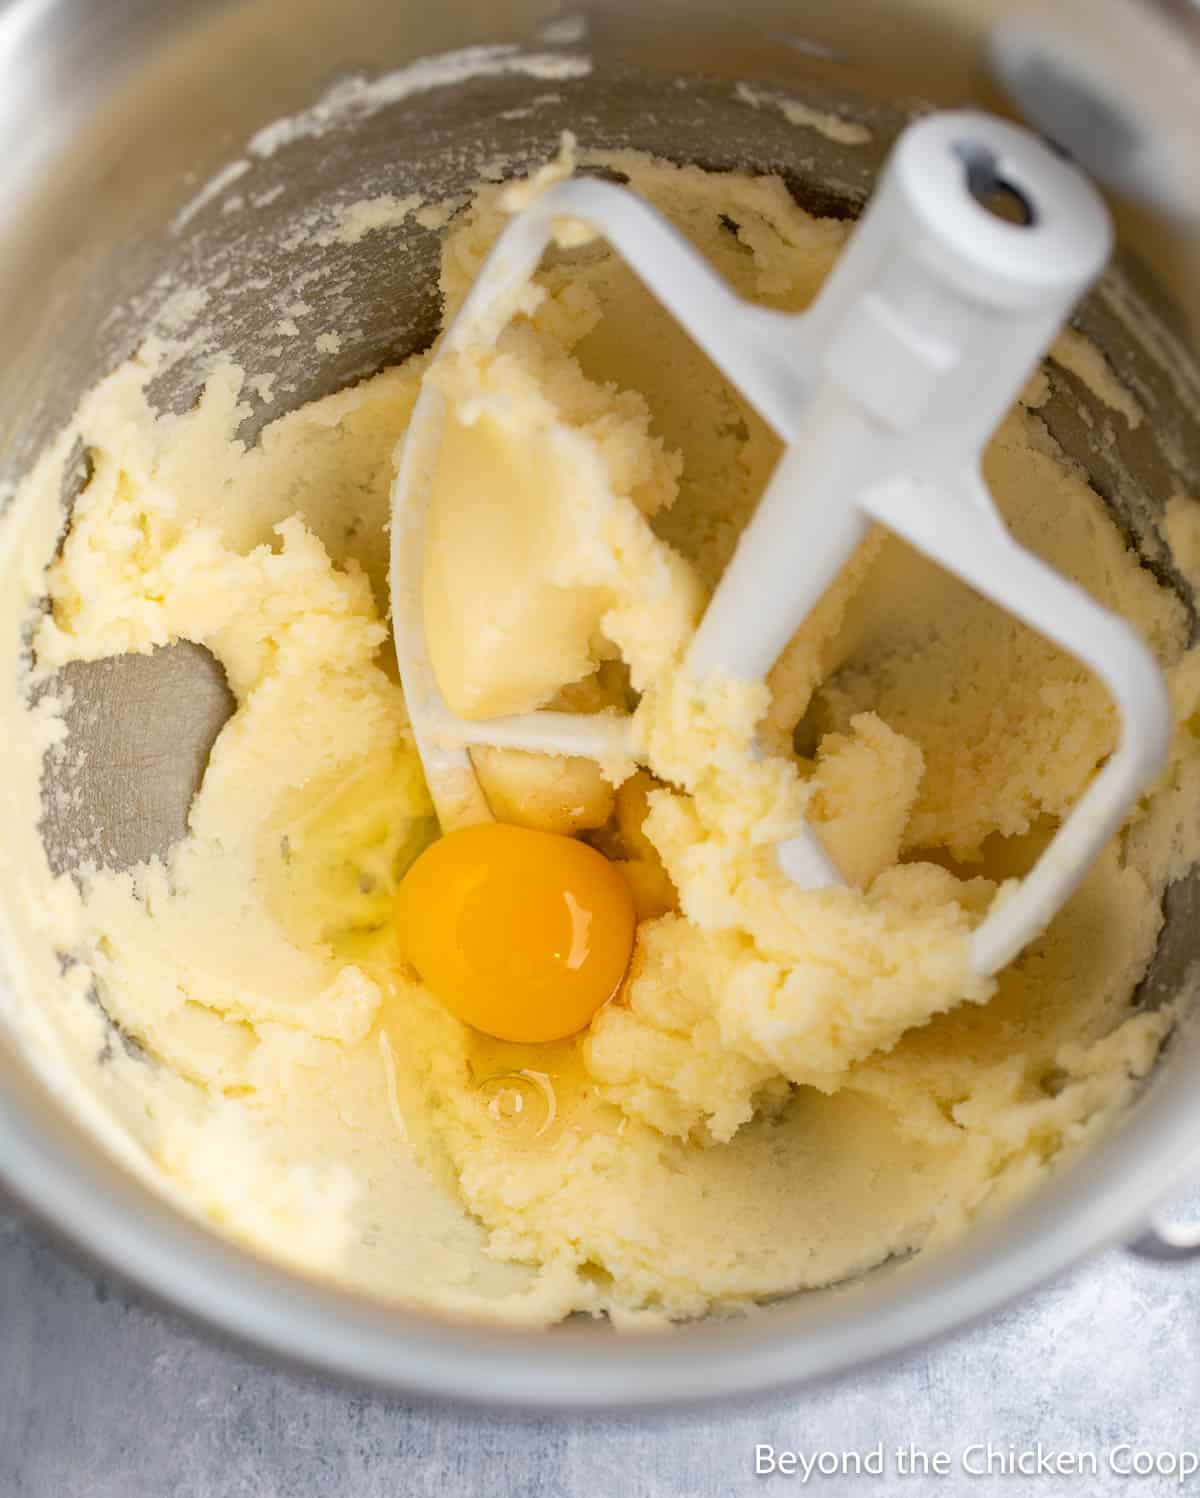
67,1181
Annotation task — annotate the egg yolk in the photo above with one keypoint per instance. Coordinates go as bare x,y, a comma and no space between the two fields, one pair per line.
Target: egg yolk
522,934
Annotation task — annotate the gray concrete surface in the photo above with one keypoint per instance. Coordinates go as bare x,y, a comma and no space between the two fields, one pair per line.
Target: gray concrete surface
102,1396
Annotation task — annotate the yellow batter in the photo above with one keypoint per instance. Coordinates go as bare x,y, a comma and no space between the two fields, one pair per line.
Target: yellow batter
793,1086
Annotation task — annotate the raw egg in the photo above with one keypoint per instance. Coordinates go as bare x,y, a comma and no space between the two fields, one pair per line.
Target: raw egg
522,934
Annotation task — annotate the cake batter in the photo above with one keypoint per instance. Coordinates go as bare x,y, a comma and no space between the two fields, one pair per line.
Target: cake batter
791,1086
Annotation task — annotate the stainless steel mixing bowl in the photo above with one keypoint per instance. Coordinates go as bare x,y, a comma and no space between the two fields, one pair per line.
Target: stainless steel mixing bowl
113,115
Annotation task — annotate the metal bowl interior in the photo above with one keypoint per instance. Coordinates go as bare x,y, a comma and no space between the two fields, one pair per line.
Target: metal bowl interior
120,116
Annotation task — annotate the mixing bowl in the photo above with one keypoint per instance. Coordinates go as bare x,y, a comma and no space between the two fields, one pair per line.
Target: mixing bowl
151,145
